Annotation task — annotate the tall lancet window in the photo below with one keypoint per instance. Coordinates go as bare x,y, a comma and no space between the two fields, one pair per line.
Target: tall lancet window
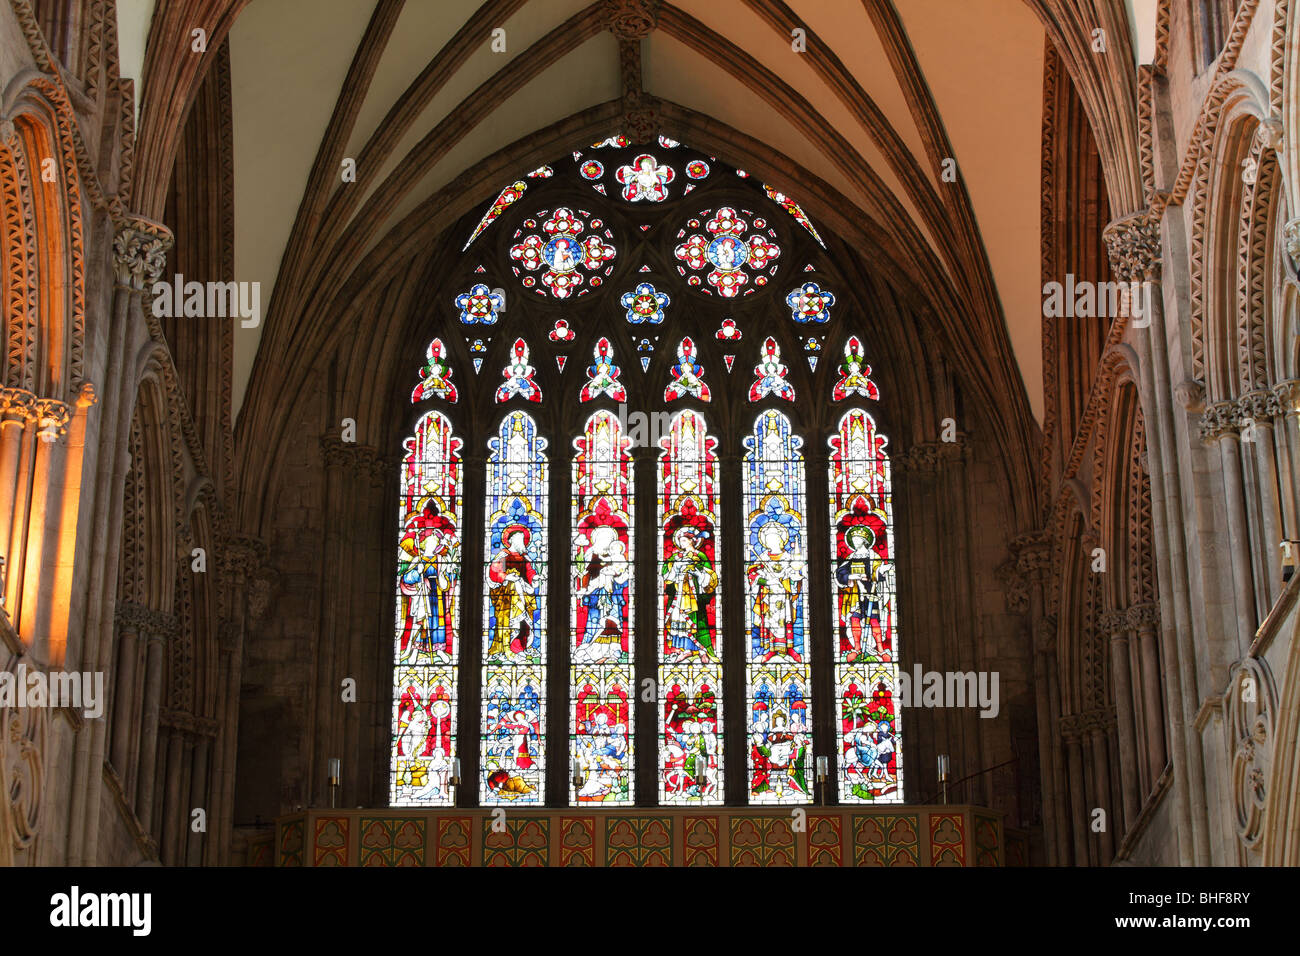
428,592
513,751
776,614
866,617
690,620
601,685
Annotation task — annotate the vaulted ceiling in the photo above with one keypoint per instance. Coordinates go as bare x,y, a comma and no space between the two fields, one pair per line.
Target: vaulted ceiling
885,94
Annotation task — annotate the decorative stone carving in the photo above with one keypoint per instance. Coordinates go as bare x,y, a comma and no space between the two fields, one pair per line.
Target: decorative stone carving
24,737
1291,237
1288,395
1133,245
630,19
1141,616
1269,135
1259,406
1112,622
1191,395
52,418
1218,420
17,406
1251,704
140,252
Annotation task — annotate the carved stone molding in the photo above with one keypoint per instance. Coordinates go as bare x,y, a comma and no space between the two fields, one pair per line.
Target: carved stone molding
140,252
1251,704
1133,245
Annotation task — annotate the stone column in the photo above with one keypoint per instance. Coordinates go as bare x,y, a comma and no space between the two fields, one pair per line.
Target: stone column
1078,788
153,671
1134,247
1115,623
1260,409
199,798
46,510
122,752
17,408
1288,454
1145,619
1097,725
1219,426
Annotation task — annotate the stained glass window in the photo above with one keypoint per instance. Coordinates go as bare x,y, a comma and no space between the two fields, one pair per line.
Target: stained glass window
513,751
601,682
691,278
865,608
776,614
427,640
690,620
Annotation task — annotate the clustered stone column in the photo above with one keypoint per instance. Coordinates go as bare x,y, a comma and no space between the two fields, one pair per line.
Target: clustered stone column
1134,246
354,486
1115,624
142,635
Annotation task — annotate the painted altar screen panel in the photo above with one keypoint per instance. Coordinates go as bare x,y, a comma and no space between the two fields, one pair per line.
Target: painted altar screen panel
777,677
866,614
601,685
427,640
512,750
690,619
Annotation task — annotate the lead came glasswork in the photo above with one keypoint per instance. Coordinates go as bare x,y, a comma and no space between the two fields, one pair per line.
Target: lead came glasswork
866,620
776,614
428,592
512,755
601,678
690,621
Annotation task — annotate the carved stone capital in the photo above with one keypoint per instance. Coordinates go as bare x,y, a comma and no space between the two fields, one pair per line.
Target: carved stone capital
630,19
140,252
17,406
1133,245
52,417
1219,420
1143,616
1112,623
1260,406
1288,396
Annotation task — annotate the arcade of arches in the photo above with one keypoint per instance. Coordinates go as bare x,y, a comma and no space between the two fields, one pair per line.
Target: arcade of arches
609,412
